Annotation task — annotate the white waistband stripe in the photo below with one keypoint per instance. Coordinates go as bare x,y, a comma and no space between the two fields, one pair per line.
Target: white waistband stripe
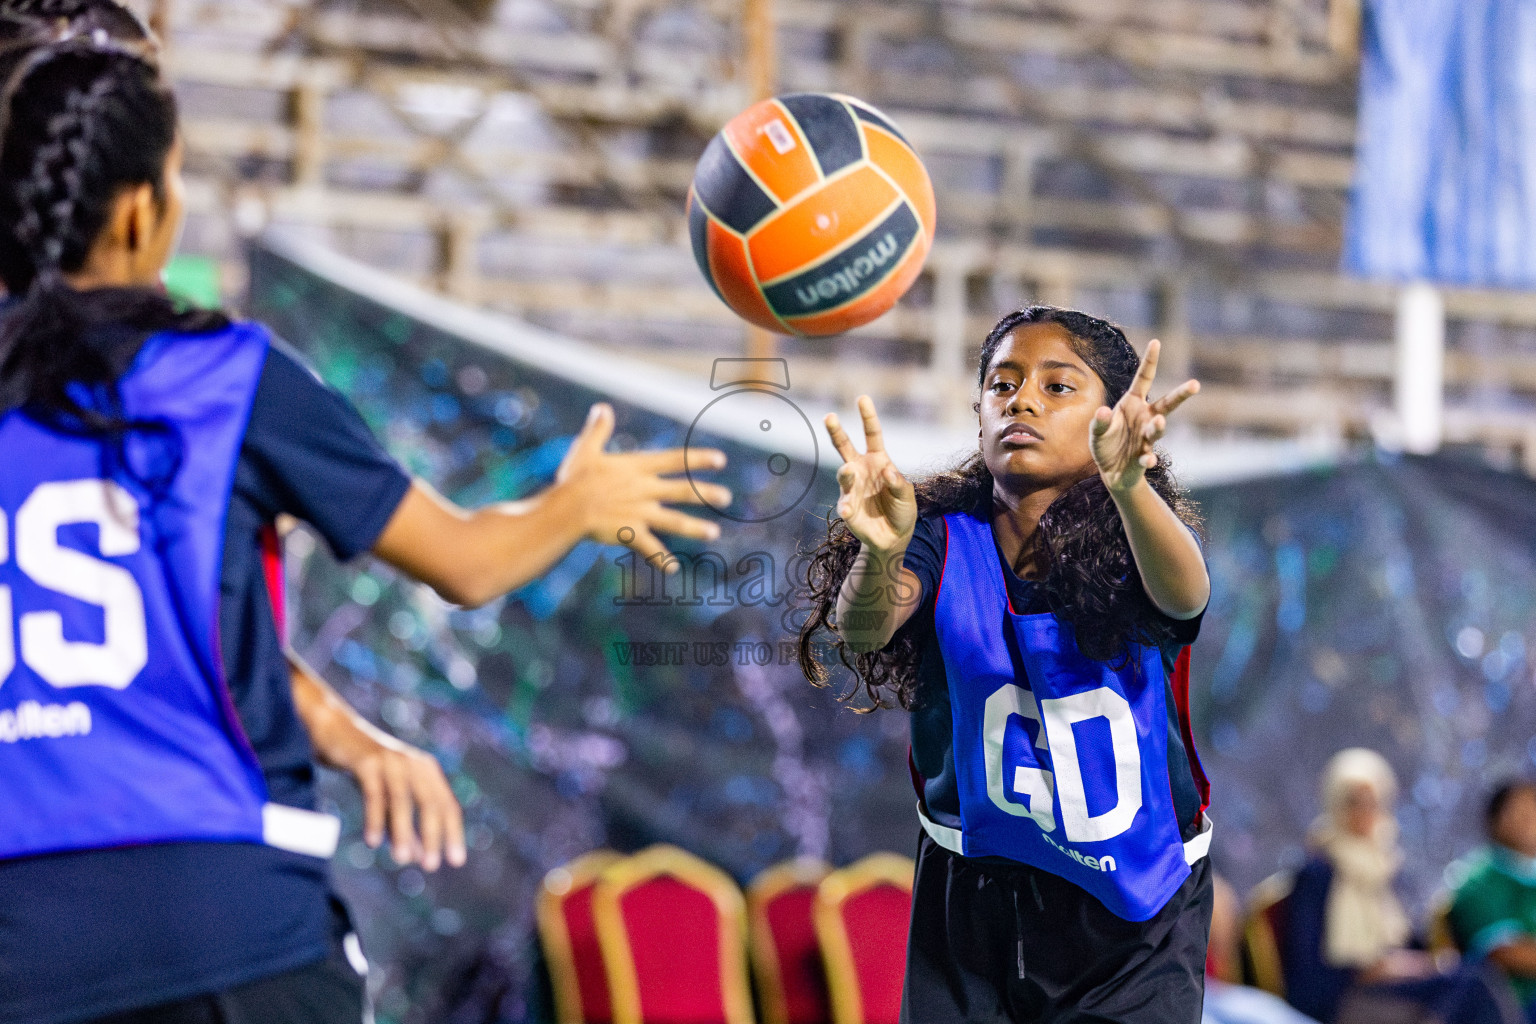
950,838
953,841
299,831
1200,845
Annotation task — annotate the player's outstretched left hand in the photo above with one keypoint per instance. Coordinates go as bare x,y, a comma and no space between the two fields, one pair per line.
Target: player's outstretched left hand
622,497
1122,438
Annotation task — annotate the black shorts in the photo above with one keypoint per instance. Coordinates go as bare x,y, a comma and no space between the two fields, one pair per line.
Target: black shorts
1007,942
330,991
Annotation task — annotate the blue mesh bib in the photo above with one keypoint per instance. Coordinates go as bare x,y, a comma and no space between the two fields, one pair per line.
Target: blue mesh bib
116,726
1061,761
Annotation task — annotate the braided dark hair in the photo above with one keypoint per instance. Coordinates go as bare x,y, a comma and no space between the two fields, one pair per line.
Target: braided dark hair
83,119
37,22
1090,577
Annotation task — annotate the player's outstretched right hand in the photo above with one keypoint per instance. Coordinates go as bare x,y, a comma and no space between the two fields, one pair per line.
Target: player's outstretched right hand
624,495
876,501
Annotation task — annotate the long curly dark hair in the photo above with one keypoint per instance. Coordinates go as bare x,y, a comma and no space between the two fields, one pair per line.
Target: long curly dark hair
1090,577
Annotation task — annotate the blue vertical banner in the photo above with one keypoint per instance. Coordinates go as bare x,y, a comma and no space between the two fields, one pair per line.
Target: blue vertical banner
1445,176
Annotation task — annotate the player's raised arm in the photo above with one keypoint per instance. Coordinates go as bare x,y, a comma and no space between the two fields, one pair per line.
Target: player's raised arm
1167,556
473,556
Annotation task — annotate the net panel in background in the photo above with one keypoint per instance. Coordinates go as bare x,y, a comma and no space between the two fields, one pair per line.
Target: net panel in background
1389,604
592,709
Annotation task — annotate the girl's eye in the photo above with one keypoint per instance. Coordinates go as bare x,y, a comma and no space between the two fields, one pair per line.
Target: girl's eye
1001,385
1060,387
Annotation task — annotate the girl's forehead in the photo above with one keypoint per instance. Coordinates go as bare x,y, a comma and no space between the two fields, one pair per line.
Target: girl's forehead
1030,344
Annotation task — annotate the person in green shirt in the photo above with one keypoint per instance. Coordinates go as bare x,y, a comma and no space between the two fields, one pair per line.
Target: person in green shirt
1493,905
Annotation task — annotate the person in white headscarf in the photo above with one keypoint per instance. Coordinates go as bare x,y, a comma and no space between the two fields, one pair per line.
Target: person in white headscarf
1357,834
1344,951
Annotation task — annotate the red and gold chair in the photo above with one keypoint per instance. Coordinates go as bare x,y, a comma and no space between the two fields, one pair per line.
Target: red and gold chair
862,915
673,934
1268,915
786,957
1439,936
568,933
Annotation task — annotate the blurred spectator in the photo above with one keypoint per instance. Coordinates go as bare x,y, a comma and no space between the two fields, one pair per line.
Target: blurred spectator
1345,949
1493,909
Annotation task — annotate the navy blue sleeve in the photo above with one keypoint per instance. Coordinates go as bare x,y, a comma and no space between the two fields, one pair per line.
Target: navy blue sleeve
925,556
1186,631
307,452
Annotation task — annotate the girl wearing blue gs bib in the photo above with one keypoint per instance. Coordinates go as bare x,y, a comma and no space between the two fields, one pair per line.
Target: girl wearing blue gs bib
161,858
1033,609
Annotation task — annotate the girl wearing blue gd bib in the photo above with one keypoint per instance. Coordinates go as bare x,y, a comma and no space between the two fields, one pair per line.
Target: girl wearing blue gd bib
1033,608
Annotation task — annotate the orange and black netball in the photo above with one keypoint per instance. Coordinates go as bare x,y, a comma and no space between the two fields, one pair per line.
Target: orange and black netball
810,214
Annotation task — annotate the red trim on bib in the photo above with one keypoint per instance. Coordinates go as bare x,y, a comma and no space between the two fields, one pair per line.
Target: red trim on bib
272,572
1180,688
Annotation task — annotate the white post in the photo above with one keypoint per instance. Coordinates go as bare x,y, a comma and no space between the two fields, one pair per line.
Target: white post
1420,381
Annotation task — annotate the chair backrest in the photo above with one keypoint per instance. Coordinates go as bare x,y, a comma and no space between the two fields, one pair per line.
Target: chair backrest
673,934
786,958
1264,933
863,912
568,933
1439,936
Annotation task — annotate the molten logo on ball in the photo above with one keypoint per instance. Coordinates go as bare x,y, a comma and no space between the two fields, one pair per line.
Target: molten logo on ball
848,280
810,214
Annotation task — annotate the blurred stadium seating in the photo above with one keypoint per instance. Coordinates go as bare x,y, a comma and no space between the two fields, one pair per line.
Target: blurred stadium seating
1181,166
